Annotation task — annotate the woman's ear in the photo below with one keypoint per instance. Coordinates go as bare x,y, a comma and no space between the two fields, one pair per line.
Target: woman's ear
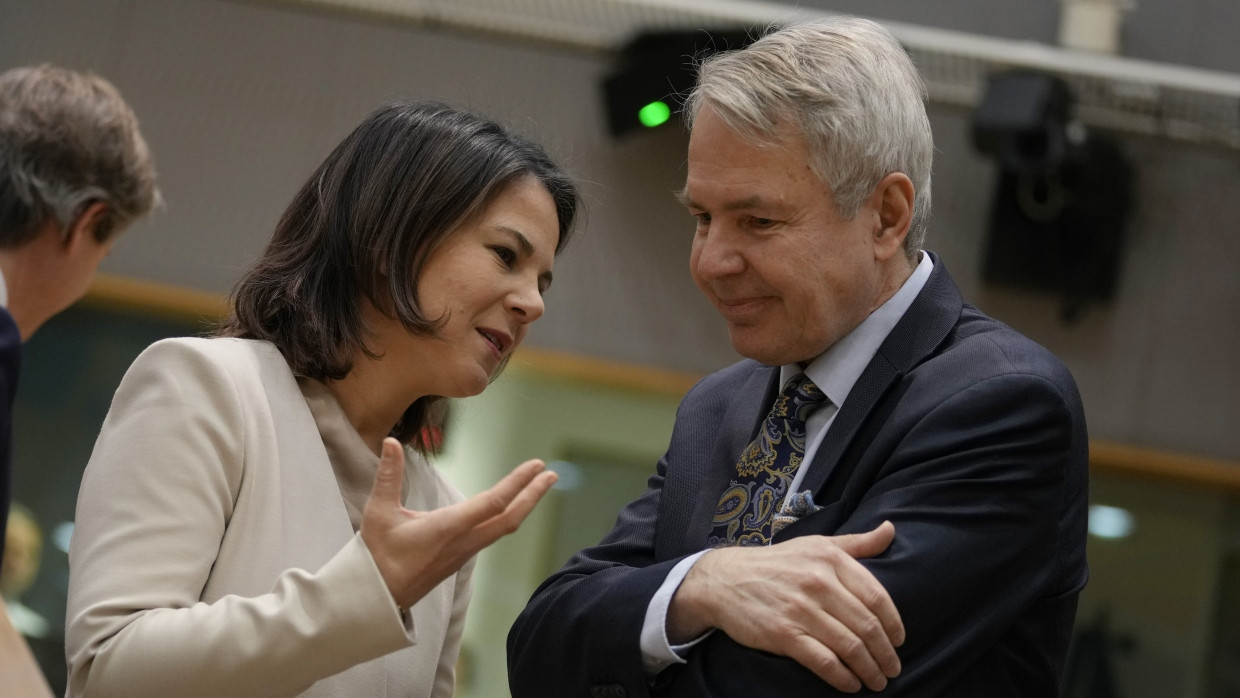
893,201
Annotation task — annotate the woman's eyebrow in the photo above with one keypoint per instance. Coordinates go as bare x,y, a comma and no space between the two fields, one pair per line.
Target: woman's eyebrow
527,249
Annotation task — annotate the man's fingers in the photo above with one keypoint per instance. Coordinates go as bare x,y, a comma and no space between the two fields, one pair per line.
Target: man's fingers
815,656
853,623
857,653
868,544
866,638
876,603
861,582
869,626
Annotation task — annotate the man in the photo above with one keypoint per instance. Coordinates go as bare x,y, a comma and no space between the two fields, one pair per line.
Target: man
910,517
74,172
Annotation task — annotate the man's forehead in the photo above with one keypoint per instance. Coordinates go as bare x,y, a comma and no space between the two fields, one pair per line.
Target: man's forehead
740,201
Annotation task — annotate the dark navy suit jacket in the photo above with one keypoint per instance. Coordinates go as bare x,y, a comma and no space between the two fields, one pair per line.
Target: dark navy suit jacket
969,437
10,363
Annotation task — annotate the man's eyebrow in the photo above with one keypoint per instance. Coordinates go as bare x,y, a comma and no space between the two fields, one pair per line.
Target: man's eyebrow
746,203
739,205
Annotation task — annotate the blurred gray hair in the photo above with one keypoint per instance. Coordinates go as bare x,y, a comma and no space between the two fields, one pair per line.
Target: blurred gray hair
67,140
849,87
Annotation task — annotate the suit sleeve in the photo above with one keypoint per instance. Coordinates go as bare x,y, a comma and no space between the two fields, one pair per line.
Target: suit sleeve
978,484
155,501
580,634
582,627
10,364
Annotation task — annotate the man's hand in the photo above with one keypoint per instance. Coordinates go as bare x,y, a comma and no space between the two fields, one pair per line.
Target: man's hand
416,550
807,599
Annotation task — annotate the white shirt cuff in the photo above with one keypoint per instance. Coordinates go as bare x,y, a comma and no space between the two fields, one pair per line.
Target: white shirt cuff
657,651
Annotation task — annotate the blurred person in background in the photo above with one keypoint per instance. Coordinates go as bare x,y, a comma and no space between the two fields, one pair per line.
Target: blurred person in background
23,555
23,551
74,173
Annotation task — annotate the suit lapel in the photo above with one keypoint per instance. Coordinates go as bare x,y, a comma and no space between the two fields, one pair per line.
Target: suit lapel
919,332
739,425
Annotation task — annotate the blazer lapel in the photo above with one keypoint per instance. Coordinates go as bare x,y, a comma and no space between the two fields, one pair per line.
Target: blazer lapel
316,521
739,426
919,332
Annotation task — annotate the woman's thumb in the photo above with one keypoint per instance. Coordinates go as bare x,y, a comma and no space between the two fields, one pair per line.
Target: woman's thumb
390,473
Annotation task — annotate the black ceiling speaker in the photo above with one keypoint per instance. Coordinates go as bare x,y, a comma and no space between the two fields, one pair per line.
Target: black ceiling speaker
655,70
1063,196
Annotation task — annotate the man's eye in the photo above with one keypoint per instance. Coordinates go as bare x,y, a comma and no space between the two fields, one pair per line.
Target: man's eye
762,222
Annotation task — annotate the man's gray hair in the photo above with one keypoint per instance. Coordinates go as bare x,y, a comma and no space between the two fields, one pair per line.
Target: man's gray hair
849,87
67,140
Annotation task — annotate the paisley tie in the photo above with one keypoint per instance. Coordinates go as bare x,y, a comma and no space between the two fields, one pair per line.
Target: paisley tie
766,468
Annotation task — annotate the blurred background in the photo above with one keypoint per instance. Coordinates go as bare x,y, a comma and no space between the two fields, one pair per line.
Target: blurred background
1034,105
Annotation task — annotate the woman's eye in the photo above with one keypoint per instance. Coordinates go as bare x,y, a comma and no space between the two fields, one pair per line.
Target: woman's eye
506,255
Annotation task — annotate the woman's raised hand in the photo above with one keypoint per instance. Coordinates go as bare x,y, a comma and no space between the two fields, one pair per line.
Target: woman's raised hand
416,550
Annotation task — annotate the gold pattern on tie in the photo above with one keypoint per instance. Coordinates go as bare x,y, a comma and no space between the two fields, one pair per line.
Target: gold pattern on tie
766,468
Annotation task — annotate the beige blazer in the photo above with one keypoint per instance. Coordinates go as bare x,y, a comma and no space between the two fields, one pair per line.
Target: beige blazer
213,555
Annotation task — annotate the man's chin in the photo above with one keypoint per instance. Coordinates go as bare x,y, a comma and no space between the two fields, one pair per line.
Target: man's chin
750,345
758,351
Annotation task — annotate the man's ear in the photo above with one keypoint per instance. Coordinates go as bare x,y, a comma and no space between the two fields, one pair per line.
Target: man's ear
893,201
86,227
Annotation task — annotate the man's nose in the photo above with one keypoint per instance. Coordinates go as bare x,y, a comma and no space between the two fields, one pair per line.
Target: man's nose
717,254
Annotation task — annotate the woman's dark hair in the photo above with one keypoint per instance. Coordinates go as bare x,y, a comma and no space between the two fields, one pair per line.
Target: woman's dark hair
363,227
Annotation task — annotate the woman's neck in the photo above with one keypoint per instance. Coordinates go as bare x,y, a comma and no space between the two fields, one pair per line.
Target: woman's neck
369,402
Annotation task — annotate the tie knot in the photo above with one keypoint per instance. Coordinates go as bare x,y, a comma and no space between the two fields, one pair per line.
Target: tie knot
799,396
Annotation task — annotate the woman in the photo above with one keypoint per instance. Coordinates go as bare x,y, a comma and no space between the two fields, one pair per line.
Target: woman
229,540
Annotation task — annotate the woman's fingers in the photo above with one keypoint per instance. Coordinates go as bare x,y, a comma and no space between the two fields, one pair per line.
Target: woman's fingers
415,550
519,507
385,492
496,501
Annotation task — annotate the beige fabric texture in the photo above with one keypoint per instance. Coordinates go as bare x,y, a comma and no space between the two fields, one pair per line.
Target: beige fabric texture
214,554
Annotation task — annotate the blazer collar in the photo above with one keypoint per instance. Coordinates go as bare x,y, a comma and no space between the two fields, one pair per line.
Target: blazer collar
923,327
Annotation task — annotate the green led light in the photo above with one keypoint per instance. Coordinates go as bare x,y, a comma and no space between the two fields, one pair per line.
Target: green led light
654,114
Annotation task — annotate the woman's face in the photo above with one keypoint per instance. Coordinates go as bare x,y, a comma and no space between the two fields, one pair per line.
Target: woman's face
486,282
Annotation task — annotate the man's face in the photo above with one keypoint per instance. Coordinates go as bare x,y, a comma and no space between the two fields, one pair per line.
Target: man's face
788,275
